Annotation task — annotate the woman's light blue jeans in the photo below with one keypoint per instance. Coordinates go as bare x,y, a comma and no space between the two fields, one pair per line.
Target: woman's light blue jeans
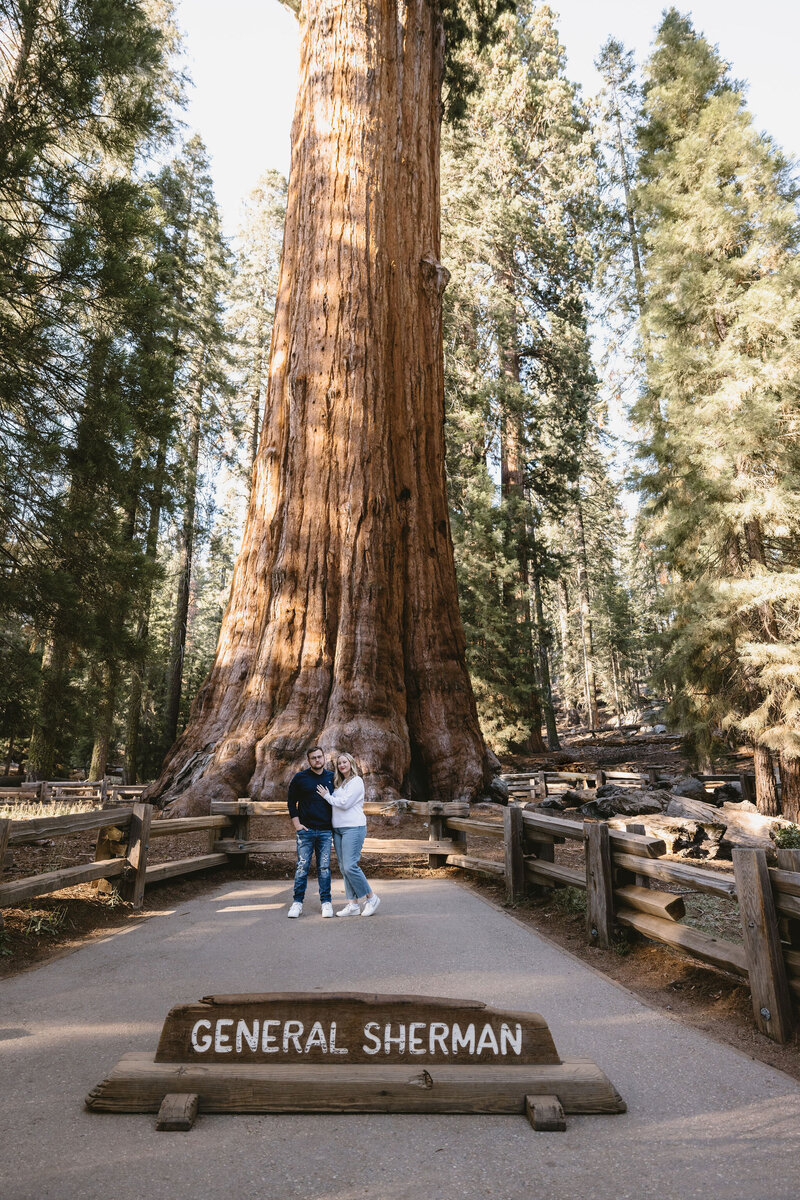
348,843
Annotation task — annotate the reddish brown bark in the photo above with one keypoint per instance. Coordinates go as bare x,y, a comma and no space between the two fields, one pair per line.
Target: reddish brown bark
790,788
343,623
766,784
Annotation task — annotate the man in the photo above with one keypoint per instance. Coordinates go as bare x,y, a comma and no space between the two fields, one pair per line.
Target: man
311,817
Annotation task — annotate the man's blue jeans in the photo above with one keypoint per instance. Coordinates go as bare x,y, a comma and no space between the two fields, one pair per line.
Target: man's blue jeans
310,841
348,844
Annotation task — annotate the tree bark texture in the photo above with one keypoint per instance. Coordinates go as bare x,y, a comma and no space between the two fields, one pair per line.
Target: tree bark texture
790,788
343,627
181,617
590,685
766,784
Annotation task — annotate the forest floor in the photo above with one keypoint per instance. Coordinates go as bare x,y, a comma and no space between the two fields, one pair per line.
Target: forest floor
700,996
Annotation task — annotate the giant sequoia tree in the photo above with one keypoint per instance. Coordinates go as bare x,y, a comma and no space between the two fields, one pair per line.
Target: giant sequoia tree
343,623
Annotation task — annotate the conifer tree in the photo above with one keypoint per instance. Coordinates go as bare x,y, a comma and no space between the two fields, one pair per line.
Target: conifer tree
518,197
721,468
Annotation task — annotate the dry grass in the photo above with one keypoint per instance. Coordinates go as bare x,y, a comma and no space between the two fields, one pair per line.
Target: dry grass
30,810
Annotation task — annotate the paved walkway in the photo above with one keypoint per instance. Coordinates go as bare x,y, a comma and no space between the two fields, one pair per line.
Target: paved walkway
703,1120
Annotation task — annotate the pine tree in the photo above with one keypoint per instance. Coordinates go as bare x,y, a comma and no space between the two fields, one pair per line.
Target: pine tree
721,471
518,199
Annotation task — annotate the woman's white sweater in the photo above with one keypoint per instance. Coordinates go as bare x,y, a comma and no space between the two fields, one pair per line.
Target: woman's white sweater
347,803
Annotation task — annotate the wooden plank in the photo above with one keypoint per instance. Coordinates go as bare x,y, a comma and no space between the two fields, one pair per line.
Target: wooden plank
658,904
38,828
513,852
786,882
138,1084
470,863
550,872
5,833
792,960
726,955
479,828
178,825
715,883
406,847
268,808
138,847
637,827
329,1028
54,881
788,905
545,1114
184,866
177,1112
786,879
772,1005
629,843
599,894
435,833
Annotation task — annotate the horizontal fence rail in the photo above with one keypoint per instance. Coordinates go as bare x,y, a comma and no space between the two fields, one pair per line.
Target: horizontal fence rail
625,876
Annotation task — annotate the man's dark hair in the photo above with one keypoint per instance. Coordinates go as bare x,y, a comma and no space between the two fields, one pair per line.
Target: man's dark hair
311,750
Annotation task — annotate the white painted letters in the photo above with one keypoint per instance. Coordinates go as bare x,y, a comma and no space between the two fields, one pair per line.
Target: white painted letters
292,1032
222,1040
248,1035
203,1042
369,1032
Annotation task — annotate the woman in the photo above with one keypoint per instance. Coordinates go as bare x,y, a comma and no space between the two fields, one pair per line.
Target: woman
349,831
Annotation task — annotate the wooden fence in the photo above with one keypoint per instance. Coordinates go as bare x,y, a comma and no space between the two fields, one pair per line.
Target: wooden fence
53,791
538,785
620,874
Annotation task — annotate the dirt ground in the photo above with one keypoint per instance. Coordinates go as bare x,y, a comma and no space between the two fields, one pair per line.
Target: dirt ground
698,995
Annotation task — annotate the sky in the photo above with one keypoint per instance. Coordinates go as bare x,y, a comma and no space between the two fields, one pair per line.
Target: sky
242,56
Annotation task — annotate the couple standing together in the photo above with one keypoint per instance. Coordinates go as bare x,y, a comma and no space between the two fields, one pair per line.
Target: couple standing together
329,808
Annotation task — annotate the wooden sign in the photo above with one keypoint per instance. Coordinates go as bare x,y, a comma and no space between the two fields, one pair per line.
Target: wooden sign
353,1028
353,1052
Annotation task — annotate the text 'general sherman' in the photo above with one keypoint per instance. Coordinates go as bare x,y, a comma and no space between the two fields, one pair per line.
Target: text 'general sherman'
229,1035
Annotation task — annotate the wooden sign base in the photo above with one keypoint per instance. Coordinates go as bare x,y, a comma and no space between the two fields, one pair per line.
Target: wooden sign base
501,1082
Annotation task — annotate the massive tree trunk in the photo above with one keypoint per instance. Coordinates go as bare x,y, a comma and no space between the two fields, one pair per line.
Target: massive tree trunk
343,623
590,685
766,785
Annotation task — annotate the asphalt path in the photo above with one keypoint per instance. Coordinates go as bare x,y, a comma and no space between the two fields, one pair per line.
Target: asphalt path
703,1119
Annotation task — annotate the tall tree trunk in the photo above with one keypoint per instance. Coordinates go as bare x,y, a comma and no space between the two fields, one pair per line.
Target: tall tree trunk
256,387
542,637
567,652
104,726
590,685
47,721
516,595
790,788
343,625
136,690
766,784
178,643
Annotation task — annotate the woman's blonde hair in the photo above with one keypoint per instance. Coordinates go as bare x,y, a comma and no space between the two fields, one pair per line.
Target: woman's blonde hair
338,778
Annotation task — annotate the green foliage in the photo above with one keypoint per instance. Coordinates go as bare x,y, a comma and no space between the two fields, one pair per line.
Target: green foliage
721,470
518,202
786,837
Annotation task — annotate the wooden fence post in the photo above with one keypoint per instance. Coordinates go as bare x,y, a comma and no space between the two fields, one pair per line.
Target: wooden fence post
436,832
138,846
599,883
514,855
5,833
241,831
769,988
789,860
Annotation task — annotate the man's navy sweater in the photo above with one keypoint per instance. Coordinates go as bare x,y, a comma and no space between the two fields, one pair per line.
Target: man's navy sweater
306,803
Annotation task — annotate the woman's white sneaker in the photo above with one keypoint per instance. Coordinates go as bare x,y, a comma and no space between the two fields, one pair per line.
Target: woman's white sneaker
371,905
295,909
349,910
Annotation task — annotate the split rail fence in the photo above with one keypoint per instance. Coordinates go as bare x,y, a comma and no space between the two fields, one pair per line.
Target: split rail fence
621,873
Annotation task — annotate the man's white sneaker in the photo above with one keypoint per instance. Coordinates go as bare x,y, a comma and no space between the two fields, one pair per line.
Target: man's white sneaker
295,909
371,905
327,909
350,910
